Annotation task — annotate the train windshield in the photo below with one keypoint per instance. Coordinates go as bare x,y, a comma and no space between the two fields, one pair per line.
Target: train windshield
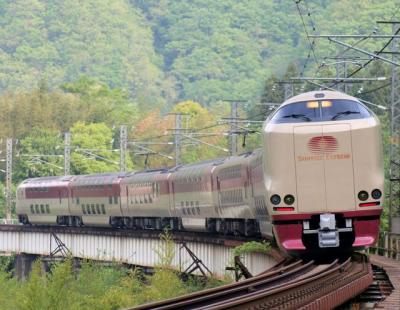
320,111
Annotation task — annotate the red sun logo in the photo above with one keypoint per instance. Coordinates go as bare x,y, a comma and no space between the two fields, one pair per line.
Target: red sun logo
322,145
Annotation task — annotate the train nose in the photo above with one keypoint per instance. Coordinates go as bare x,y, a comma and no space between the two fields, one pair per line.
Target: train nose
324,168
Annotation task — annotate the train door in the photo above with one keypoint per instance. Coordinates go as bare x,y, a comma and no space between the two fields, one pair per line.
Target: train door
338,162
173,209
310,172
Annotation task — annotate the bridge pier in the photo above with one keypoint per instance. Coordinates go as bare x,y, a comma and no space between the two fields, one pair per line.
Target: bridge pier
23,265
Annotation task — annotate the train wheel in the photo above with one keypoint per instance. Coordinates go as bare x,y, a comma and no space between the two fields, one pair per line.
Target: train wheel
211,225
71,221
78,221
23,219
128,222
166,224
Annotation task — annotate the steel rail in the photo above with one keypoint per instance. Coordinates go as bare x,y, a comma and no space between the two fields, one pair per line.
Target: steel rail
322,291
294,286
182,301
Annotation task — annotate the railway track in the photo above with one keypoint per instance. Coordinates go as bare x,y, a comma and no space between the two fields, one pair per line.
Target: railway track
297,285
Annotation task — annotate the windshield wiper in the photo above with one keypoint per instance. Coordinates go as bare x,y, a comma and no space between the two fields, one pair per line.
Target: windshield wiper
302,116
343,113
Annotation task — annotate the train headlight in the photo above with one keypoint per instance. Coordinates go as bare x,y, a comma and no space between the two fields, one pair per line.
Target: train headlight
376,194
275,199
363,195
289,199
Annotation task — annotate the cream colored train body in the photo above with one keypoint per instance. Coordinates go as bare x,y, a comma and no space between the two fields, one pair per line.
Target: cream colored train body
323,153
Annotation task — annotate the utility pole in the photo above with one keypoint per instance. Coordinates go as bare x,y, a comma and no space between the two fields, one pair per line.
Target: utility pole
178,138
341,72
9,154
394,190
123,137
289,90
233,138
233,121
67,153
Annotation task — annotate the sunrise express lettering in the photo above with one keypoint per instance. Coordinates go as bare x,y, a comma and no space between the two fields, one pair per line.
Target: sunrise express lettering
323,157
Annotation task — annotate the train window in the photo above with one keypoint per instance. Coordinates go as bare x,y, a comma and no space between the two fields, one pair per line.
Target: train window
198,207
37,209
42,208
93,210
115,199
320,111
344,110
47,209
77,200
184,211
98,208
110,200
103,209
83,209
88,209
32,210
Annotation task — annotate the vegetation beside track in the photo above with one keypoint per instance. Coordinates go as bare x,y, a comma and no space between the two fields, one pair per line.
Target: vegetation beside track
95,286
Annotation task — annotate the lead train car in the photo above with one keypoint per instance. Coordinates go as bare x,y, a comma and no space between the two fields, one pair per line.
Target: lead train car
323,172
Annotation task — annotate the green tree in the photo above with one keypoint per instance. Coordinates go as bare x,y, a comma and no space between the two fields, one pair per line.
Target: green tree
93,150
39,154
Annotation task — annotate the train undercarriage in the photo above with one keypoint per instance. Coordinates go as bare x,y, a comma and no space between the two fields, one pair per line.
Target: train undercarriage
238,227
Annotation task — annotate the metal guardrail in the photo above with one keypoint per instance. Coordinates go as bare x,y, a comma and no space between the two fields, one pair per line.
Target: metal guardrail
388,245
9,222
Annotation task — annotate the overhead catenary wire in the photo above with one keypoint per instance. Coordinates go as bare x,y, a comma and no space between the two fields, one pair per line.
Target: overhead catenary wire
375,89
312,43
372,59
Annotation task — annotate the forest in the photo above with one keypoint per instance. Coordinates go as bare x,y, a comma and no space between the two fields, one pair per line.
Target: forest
87,68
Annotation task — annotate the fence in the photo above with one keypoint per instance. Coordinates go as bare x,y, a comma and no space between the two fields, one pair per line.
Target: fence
388,245
9,221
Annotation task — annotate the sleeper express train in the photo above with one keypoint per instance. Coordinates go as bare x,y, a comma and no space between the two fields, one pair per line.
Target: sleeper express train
316,183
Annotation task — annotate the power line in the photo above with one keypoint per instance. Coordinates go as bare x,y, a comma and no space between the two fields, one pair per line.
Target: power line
372,59
305,30
375,89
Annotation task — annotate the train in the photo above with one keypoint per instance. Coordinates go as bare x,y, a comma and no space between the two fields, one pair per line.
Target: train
317,183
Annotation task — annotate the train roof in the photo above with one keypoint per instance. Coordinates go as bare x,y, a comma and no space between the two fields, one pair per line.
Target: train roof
319,95
63,178
102,175
208,162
